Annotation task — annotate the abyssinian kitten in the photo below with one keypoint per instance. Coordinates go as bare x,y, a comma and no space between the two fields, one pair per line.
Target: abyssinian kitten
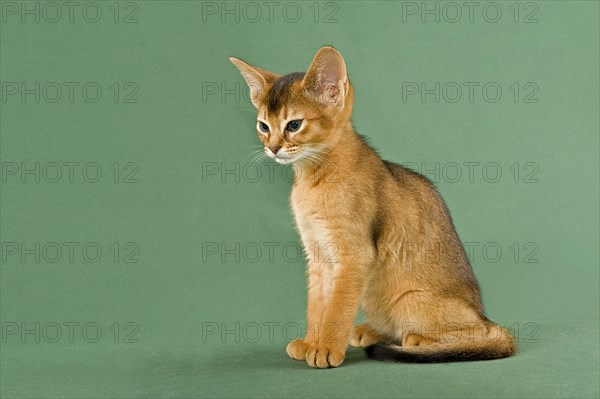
397,254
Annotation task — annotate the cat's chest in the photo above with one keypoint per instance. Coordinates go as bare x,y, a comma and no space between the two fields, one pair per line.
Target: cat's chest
313,223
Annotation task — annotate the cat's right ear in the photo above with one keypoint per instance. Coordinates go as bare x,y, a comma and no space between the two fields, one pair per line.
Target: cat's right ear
258,79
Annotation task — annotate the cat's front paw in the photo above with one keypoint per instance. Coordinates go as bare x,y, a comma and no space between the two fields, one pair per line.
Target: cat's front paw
324,357
297,348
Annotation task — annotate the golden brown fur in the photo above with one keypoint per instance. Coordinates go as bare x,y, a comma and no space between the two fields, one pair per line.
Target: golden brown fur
378,236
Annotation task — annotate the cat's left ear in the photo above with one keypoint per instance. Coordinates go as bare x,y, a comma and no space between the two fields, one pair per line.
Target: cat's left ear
257,79
326,79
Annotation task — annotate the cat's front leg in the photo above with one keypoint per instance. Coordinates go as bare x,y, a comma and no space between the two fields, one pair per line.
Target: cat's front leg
297,348
345,293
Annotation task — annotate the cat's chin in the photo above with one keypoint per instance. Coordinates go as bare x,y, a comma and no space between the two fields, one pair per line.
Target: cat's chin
283,161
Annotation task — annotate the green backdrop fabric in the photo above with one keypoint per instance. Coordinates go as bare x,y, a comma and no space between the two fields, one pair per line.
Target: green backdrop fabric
144,254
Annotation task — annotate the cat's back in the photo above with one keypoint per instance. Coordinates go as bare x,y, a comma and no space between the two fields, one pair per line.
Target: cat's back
412,196
404,176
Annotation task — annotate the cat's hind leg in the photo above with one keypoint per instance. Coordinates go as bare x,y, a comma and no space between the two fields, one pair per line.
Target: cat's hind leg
364,335
416,340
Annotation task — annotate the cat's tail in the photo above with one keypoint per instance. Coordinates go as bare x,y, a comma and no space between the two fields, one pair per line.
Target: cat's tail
498,344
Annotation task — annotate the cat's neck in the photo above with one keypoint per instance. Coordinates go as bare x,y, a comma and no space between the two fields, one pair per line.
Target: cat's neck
336,158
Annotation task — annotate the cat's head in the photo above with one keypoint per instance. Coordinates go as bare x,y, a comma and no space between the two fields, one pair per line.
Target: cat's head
300,115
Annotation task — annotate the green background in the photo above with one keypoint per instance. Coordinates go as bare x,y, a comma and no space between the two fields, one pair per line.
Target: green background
168,206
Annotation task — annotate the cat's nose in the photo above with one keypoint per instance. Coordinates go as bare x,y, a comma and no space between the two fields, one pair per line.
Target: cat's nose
274,148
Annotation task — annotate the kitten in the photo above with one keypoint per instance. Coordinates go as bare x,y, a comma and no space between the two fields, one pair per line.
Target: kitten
397,254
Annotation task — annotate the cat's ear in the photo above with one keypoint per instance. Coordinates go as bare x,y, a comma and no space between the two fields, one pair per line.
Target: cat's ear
326,79
257,79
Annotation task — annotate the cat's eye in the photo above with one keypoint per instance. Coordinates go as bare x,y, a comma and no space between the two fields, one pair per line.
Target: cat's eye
294,125
263,127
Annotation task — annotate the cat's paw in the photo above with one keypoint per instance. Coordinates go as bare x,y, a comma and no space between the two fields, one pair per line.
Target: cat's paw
363,335
322,357
297,348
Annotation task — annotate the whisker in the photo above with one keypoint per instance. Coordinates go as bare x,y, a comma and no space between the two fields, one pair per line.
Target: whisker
251,154
247,110
256,158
